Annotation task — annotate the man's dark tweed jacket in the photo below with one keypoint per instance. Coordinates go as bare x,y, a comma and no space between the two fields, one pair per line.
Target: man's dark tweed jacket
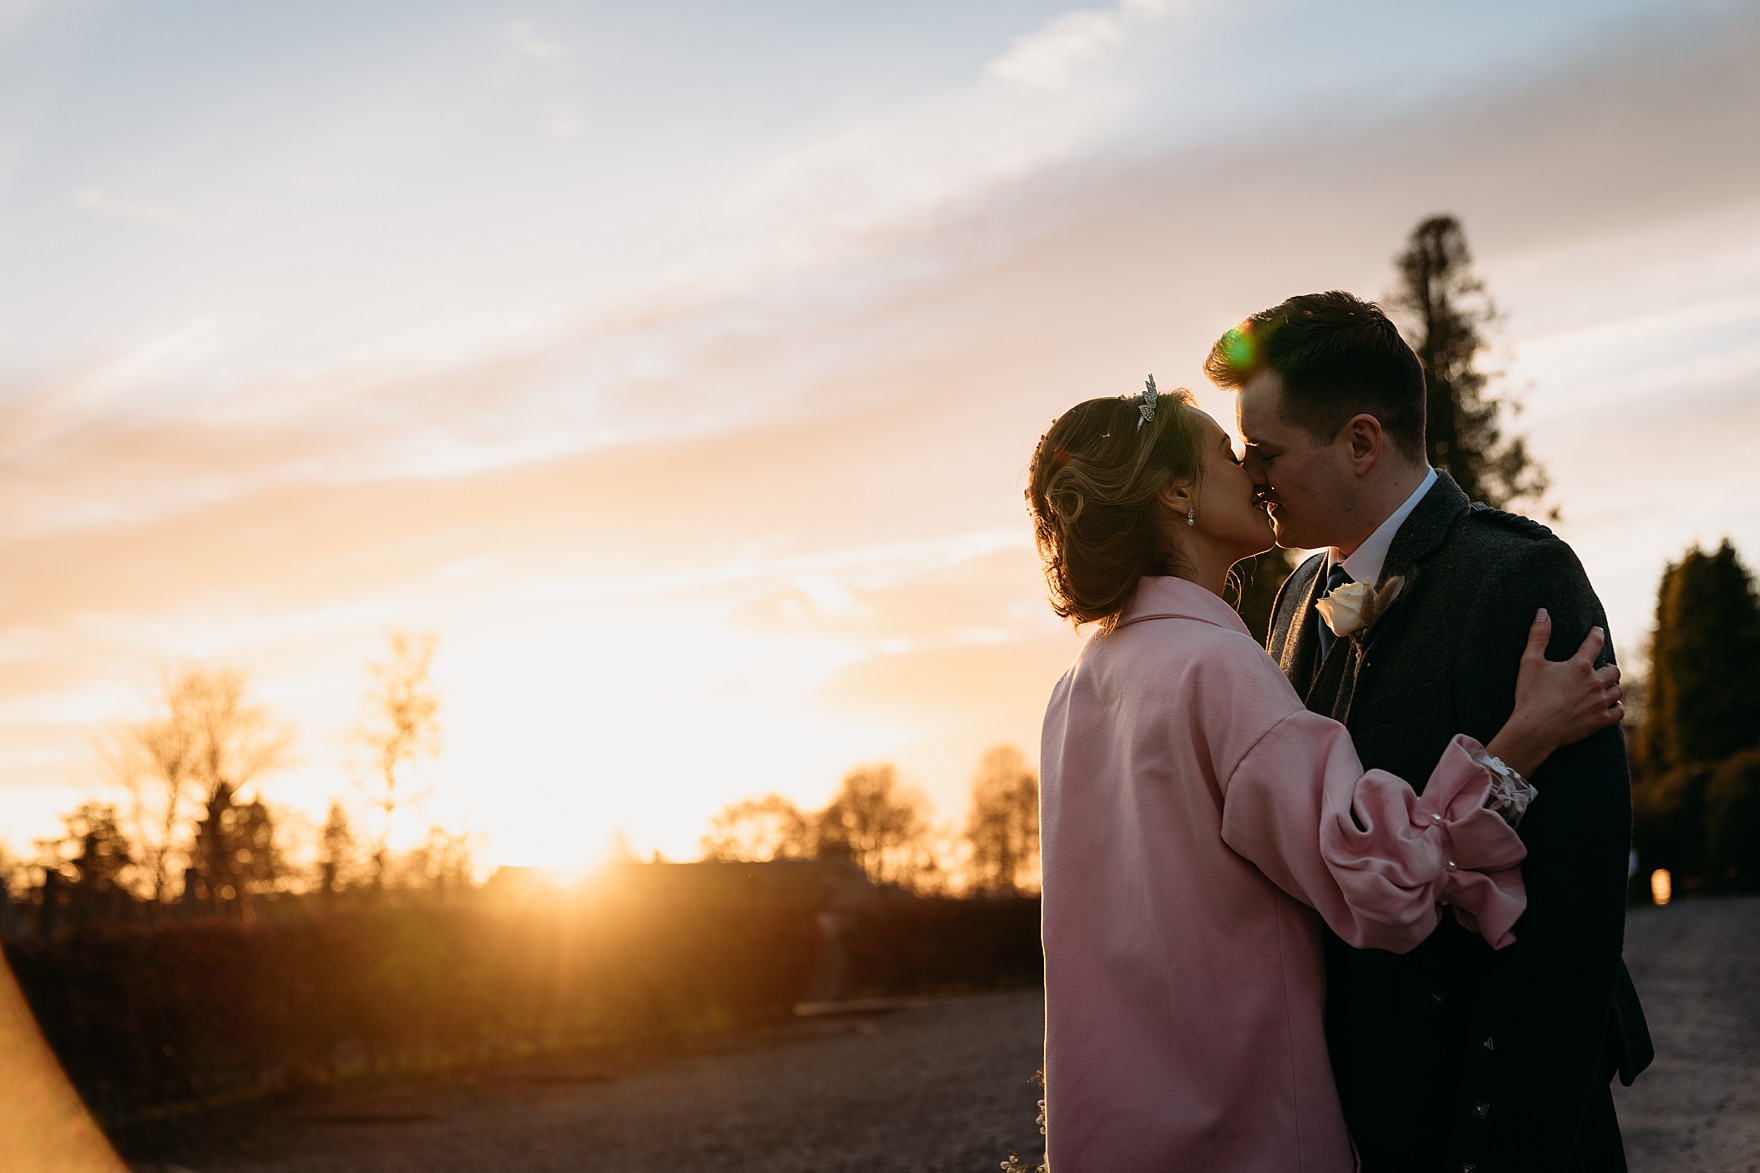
1455,1057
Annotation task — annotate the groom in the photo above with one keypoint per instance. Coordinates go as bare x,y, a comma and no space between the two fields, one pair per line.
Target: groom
1452,1057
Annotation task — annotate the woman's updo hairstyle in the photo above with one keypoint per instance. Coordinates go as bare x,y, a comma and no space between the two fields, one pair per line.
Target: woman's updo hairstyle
1093,487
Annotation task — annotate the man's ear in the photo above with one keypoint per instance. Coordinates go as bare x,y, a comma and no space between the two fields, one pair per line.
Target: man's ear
1364,441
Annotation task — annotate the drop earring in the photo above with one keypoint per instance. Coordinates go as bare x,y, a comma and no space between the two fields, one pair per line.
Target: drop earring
1192,514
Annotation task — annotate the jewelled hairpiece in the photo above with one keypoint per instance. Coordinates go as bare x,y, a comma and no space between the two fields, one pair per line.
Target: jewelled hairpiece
1146,407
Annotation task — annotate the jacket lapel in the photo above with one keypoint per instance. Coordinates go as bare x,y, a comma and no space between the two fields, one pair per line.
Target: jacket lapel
1334,684
1292,636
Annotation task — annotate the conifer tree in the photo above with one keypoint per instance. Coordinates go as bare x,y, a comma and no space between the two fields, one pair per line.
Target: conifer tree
1705,661
1732,801
1446,309
1696,765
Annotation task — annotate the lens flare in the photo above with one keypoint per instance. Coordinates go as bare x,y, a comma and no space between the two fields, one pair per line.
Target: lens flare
1238,346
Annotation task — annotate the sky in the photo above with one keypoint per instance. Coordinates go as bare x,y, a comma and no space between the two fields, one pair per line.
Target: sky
677,365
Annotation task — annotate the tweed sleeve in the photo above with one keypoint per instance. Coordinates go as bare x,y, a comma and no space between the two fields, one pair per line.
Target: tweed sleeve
1538,1028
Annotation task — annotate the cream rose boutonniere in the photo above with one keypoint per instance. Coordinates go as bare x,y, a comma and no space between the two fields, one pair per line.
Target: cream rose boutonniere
1354,606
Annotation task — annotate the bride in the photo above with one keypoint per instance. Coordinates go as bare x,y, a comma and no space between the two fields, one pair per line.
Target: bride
1198,822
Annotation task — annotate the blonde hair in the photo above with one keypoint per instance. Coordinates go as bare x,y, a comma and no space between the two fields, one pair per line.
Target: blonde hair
1093,490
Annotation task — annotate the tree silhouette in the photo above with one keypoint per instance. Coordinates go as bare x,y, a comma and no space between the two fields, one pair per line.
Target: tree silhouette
205,736
402,724
880,825
1704,700
1696,775
234,853
1732,802
758,829
1447,307
1003,826
336,850
94,847
441,862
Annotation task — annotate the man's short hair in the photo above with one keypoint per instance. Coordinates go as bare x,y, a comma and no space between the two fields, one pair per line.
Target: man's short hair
1338,357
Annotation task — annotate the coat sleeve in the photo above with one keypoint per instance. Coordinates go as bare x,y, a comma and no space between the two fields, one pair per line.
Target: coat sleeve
1370,856
1543,1012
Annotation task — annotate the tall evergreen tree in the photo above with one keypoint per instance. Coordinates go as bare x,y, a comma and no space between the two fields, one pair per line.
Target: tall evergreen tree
1695,765
1732,801
1447,308
1704,662
234,852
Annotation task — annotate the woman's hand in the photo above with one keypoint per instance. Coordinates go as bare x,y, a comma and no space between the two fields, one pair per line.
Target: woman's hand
1558,702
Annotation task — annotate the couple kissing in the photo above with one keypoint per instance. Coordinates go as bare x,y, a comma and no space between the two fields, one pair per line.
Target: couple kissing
1354,899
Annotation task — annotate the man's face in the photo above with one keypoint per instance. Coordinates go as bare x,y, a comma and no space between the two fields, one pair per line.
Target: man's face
1304,481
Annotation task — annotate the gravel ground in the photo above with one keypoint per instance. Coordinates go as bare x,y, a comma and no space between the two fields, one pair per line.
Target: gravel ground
1696,964
937,1086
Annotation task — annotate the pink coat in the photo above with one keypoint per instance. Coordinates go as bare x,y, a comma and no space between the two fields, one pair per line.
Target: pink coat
1195,818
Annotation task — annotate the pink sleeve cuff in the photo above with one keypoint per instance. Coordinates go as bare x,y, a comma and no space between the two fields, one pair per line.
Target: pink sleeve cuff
1482,855
1398,855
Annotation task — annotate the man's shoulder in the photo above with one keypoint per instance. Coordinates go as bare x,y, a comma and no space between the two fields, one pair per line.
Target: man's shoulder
1501,525
1494,555
1485,538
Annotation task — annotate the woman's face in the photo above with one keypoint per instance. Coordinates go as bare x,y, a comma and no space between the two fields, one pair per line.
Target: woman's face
1227,508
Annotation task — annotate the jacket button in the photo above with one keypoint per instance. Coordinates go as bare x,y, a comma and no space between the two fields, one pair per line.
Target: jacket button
1451,865
1481,1110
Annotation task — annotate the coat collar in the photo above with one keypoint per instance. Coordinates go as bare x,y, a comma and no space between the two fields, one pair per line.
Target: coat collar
1418,537
1166,597
1427,528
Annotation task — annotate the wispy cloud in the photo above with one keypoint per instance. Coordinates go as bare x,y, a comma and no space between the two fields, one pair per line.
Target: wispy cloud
524,37
96,199
1051,57
830,456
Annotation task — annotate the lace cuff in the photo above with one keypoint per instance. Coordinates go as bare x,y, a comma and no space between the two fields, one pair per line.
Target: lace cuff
1510,793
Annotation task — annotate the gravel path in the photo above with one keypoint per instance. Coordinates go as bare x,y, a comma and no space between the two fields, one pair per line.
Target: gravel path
1697,968
937,1087
941,1087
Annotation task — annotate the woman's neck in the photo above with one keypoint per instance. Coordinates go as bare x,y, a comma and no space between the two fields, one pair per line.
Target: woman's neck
1203,566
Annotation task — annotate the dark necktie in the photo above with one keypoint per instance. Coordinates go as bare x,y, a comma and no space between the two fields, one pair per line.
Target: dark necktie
1336,579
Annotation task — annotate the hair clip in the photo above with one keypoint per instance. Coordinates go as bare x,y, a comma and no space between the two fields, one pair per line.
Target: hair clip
1146,407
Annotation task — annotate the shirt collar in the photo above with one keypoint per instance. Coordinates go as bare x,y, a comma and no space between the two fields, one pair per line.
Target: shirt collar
1366,561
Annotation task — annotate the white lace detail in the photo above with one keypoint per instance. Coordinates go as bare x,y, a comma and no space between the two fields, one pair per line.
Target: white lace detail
1510,792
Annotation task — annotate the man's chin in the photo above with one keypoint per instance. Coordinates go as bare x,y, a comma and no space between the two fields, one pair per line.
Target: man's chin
1287,538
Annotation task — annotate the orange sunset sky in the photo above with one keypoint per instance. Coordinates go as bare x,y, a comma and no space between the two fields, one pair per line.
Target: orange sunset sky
678,364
